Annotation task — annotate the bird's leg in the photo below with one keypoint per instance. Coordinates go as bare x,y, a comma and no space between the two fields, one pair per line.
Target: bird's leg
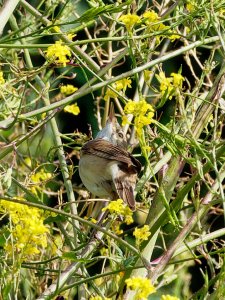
101,217
97,209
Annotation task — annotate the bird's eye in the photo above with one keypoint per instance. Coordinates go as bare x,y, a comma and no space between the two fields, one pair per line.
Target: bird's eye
120,135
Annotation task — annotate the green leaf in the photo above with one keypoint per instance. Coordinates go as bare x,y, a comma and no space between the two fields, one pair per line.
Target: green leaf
2,241
129,261
58,218
94,12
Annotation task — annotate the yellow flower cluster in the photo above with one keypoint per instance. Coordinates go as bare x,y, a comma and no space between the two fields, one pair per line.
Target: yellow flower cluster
58,53
73,109
177,80
28,230
123,84
141,234
119,208
152,20
143,287
168,297
150,17
130,20
169,85
70,36
116,227
68,89
120,85
41,176
191,5
38,178
142,111
2,80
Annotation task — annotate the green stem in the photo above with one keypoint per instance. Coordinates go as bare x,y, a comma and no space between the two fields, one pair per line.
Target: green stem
80,93
86,58
77,218
199,241
205,205
57,137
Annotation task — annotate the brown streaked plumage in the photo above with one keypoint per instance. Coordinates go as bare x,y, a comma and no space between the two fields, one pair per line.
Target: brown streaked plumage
106,168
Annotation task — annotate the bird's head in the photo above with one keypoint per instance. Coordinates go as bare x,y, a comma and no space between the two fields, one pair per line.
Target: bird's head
113,132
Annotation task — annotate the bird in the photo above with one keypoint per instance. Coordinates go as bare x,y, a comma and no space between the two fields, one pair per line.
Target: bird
106,168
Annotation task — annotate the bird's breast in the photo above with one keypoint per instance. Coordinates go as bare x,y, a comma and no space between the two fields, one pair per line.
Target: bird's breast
96,174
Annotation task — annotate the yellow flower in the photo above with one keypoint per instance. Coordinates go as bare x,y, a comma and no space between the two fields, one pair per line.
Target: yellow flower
150,17
39,178
41,175
119,85
152,20
115,206
143,114
165,83
168,297
123,84
141,234
28,230
138,108
43,115
127,213
172,36
129,20
141,121
70,36
99,281
119,208
177,80
191,5
125,120
2,80
28,161
143,287
93,220
116,228
56,28
68,89
169,85
147,75
110,94
73,109
58,53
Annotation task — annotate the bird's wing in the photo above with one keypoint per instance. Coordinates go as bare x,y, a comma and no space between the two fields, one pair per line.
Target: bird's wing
105,149
125,188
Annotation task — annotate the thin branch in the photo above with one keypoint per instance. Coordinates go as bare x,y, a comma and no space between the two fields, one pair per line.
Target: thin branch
100,85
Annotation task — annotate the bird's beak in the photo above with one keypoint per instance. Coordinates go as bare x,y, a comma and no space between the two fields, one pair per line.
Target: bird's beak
107,132
112,118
